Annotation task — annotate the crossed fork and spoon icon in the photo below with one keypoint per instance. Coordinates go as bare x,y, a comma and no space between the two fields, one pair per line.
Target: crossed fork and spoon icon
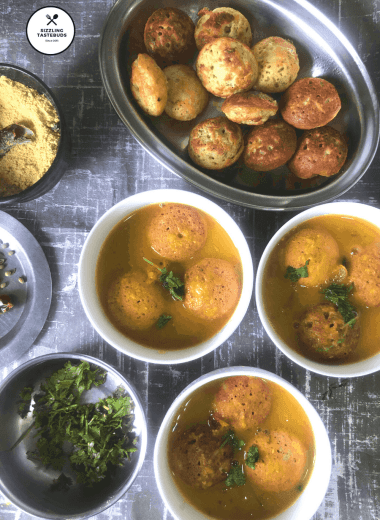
51,19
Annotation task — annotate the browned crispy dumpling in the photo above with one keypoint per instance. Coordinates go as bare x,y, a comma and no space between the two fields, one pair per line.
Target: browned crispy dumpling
134,301
364,271
187,97
249,108
223,21
169,36
319,249
148,85
177,231
278,64
212,288
270,145
321,151
226,66
216,143
322,331
310,103
282,461
243,402
198,457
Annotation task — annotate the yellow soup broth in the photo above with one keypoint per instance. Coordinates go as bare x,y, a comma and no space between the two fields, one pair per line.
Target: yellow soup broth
124,251
285,302
248,501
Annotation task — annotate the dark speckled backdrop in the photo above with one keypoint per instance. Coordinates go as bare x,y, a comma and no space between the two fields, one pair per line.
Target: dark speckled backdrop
109,165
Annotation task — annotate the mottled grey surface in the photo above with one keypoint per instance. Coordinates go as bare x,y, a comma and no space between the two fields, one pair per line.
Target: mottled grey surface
109,165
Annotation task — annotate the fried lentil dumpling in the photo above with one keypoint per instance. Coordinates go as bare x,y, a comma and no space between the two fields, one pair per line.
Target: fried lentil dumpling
216,143
177,231
317,247
364,271
226,66
149,85
270,145
249,108
198,458
321,151
310,103
223,21
282,461
278,64
243,402
187,97
169,36
322,331
212,288
134,302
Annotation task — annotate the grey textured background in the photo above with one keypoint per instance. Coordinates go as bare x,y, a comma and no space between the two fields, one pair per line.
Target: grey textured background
109,165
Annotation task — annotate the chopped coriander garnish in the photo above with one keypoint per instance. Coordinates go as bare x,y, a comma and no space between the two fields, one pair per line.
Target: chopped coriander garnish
99,433
300,487
25,400
235,476
338,295
252,456
231,439
170,282
325,349
295,273
163,320
62,483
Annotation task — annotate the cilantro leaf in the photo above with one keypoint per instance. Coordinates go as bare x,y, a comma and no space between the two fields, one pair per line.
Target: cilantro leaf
252,456
295,273
163,320
326,349
235,476
231,439
338,295
25,399
62,483
170,282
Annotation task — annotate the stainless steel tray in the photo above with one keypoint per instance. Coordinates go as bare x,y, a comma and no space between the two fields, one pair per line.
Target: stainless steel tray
20,326
323,51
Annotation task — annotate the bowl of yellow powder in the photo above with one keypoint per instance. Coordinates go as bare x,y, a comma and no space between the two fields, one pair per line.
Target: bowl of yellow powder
29,170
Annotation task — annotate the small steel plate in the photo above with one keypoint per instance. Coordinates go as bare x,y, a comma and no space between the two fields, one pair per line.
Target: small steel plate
20,326
323,52
28,483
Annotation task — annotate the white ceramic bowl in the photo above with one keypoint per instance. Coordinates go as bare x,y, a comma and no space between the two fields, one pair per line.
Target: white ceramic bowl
352,209
87,266
308,501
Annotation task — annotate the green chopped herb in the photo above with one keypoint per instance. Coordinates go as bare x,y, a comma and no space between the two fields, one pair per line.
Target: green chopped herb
98,433
25,400
338,295
252,456
62,483
231,439
294,274
170,282
325,349
163,320
235,476
300,487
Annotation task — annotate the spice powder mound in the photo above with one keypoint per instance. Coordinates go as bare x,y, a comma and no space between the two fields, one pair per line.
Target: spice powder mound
25,164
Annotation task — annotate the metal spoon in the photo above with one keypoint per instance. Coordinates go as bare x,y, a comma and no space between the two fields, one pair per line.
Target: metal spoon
13,135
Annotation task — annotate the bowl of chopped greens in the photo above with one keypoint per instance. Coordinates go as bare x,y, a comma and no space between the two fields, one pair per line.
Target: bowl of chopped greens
318,289
73,436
